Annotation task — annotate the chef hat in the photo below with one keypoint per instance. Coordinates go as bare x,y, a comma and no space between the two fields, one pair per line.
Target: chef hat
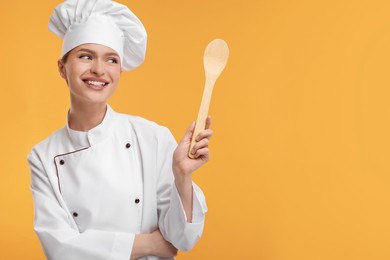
103,22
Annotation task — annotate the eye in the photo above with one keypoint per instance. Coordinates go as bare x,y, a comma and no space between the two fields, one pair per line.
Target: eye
113,60
85,57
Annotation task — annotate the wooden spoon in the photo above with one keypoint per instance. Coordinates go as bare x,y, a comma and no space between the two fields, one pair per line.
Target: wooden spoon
214,61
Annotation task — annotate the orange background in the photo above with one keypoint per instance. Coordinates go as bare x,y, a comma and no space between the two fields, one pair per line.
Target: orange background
300,163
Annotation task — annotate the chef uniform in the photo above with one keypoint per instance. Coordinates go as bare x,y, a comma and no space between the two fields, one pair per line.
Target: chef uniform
94,191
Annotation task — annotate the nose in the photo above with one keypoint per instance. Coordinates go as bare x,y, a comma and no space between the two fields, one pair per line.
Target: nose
97,67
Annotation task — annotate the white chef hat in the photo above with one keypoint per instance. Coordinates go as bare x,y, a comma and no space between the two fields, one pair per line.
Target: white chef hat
103,22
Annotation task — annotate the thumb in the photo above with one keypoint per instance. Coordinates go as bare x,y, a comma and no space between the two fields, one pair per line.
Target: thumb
189,133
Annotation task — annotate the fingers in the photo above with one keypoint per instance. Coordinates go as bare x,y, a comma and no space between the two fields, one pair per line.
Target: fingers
199,145
203,154
201,135
201,149
207,133
208,122
189,132
191,128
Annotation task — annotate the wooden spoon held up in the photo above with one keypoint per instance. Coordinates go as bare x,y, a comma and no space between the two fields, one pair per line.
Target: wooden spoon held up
215,58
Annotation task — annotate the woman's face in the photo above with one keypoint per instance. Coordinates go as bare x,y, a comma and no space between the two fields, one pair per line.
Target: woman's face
92,72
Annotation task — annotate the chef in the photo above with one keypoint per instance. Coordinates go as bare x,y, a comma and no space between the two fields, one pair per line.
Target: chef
110,185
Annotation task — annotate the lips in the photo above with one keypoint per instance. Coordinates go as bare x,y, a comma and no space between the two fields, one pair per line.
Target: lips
95,83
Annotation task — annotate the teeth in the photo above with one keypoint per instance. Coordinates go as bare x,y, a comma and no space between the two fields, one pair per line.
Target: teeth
96,83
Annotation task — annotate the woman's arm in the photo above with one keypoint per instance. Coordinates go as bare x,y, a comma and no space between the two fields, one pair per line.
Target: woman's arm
183,166
181,203
152,244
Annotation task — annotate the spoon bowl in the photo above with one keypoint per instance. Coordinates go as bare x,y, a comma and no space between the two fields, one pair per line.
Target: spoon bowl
215,57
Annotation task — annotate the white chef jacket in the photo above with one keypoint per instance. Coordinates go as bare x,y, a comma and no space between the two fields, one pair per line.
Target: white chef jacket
93,191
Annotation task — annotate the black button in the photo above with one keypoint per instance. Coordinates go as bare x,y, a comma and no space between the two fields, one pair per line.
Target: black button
128,145
137,201
75,214
62,162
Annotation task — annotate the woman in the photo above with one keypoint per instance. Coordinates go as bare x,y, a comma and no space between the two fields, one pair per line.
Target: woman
109,185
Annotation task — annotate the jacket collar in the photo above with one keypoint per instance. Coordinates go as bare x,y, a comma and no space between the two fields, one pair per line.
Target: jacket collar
96,134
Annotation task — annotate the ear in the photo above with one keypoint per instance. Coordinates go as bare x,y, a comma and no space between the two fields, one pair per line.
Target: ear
61,69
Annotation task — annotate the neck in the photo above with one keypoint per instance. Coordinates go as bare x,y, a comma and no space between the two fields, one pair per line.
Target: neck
84,117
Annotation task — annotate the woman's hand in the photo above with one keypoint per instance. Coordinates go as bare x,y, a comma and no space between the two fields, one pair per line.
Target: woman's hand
183,165
152,244
161,247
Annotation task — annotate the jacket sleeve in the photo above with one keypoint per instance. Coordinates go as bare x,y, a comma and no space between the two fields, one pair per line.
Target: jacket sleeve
59,236
172,219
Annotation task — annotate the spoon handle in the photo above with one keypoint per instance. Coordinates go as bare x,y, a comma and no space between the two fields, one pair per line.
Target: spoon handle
203,111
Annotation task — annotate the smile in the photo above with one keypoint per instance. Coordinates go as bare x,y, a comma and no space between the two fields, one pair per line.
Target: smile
95,83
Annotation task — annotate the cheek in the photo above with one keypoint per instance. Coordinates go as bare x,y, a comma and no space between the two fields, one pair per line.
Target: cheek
115,74
71,70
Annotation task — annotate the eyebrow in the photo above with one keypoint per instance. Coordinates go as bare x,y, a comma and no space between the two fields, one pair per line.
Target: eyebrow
94,53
